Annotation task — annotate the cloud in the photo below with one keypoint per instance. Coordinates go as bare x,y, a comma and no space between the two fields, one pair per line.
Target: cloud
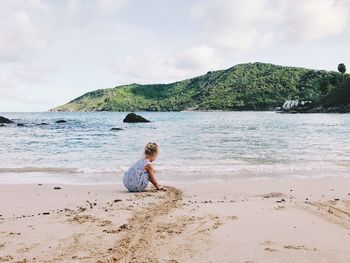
198,58
108,6
18,33
14,92
317,19
33,73
91,9
157,67
239,26
149,67
25,5
228,29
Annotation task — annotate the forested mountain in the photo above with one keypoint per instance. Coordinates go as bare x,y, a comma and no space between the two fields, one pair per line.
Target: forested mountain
252,86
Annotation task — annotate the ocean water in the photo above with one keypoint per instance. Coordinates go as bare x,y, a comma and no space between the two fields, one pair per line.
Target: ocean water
194,146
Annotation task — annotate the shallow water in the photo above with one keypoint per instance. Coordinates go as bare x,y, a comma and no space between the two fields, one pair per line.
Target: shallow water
194,146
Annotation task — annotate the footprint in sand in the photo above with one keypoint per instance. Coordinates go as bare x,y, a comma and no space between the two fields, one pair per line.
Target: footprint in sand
270,249
105,223
268,244
14,234
338,214
280,207
6,258
298,247
273,195
116,230
81,219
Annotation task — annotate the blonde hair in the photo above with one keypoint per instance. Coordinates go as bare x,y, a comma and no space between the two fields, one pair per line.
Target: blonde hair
151,148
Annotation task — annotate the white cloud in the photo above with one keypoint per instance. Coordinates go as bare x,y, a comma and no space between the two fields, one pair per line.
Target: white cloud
317,19
33,73
89,9
237,25
155,67
149,67
240,26
198,58
108,6
229,29
18,33
25,5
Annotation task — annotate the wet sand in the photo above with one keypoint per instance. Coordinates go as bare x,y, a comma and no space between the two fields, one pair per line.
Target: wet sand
280,220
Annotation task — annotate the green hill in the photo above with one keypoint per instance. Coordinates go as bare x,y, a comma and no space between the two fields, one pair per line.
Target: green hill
253,86
338,99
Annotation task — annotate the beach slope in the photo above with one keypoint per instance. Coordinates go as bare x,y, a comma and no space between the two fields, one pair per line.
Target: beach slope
280,220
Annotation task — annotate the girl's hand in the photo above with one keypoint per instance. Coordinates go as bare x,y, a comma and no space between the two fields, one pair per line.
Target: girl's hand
159,188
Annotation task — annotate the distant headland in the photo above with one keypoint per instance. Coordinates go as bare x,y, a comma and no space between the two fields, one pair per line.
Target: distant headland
251,86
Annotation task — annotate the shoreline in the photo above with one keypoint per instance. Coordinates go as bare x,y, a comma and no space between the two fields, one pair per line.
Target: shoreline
182,182
277,220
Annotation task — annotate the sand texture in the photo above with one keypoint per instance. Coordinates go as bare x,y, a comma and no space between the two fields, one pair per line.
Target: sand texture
281,220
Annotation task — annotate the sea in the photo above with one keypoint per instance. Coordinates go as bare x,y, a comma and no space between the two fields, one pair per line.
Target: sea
194,146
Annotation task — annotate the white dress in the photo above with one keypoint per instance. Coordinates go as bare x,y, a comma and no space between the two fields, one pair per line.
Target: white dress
136,177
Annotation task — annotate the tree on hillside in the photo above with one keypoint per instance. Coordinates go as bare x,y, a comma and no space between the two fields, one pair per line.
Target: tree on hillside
324,87
342,69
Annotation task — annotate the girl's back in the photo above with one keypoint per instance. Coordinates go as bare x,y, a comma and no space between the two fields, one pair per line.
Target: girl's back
136,177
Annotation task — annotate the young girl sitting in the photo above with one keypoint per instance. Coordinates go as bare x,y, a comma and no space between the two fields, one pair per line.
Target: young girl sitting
137,177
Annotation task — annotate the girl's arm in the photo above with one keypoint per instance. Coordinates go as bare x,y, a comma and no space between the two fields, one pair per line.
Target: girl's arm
152,176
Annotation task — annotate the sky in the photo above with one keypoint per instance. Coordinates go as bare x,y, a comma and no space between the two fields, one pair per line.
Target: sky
54,51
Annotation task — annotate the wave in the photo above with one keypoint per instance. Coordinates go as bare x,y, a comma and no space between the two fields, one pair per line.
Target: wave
64,170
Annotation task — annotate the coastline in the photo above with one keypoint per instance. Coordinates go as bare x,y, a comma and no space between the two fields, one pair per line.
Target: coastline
274,220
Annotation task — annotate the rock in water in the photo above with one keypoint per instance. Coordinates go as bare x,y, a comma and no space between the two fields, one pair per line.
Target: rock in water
5,120
132,117
116,129
20,124
61,121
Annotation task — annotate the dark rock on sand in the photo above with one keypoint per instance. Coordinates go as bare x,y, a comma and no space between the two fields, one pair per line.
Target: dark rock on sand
116,129
5,120
57,188
132,117
46,213
61,121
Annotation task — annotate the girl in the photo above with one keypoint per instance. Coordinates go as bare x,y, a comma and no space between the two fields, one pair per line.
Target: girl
137,177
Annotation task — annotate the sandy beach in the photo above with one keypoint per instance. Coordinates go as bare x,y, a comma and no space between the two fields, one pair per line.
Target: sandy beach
279,220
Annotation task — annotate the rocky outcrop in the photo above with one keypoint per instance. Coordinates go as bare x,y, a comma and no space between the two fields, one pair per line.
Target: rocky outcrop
335,109
5,120
61,121
132,118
